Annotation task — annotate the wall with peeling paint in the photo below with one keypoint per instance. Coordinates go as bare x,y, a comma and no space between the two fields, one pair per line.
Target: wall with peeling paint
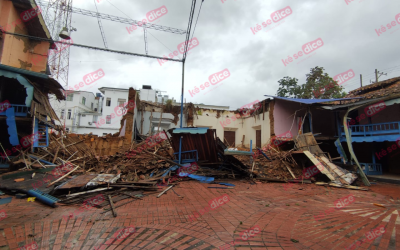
247,126
17,51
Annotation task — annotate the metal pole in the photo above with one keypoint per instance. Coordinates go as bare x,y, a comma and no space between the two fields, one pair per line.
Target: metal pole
376,75
180,139
361,80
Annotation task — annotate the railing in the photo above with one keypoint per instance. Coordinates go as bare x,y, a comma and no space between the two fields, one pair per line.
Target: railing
388,128
19,110
371,168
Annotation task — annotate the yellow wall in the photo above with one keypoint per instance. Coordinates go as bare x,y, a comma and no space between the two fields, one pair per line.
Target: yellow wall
17,51
247,126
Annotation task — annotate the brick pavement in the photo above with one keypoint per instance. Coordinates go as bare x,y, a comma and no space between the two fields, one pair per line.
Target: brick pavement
286,220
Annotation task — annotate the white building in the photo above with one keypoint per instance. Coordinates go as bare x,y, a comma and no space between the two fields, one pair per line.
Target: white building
84,113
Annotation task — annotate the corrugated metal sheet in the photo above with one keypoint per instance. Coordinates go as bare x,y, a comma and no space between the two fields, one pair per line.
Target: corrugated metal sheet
312,101
205,144
190,130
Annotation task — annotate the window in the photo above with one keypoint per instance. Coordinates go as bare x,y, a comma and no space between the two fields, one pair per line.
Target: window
121,102
108,119
83,100
95,118
83,115
62,114
69,114
70,97
91,106
104,133
108,102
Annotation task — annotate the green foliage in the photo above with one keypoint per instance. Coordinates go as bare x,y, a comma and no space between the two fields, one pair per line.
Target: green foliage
168,105
319,85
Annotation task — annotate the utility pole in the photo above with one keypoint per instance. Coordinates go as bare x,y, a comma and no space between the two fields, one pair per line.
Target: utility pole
380,74
361,80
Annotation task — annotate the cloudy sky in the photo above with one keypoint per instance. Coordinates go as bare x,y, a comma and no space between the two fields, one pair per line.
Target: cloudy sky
351,32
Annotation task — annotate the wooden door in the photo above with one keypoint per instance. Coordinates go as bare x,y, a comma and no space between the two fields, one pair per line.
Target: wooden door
229,138
258,138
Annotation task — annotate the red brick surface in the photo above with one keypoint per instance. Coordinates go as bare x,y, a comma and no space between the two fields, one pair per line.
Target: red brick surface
284,217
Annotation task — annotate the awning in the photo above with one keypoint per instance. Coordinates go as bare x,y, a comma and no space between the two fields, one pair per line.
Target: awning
190,130
22,81
43,80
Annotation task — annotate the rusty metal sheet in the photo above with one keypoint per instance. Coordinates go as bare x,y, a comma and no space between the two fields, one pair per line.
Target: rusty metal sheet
205,144
78,181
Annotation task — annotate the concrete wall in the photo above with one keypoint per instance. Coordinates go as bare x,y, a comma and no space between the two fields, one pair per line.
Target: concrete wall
228,121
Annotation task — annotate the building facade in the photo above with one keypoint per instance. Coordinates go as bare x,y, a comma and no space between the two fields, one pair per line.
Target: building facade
84,112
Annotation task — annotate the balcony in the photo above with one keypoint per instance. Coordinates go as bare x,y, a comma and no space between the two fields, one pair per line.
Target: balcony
371,168
19,110
378,132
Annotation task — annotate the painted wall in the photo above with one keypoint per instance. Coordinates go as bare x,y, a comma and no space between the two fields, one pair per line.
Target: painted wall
228,121
284,115
16,51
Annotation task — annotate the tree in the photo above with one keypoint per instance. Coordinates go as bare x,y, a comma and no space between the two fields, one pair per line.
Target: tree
319,85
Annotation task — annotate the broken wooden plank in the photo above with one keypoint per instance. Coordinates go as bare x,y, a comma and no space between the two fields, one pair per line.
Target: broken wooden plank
335,169
62,177
319,165
288,168
112,206
341,186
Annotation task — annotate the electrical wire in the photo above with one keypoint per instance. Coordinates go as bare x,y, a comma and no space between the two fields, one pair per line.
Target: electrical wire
143,25
189,28
195,25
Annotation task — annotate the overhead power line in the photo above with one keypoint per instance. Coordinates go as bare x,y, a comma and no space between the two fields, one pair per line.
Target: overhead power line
91,47
119,19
